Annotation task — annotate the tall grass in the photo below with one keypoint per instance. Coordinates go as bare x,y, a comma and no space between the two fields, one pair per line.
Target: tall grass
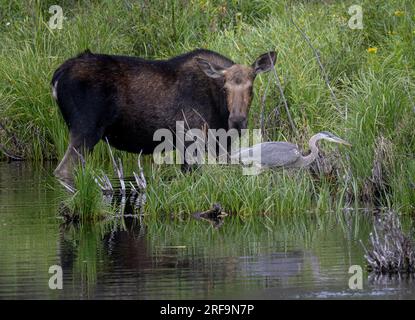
270,192
374,90
86,203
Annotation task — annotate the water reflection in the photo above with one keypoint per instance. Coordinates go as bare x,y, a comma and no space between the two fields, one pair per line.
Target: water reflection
215,216
382,280
164,259
280,266
121,256
124,259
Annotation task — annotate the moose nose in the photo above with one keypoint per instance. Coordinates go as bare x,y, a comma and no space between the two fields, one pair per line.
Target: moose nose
237,122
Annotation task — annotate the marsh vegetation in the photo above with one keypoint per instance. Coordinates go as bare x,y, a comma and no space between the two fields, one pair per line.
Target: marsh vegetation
374,90
365,93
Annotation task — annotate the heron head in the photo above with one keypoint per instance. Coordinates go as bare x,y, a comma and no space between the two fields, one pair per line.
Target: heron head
333,138
237,82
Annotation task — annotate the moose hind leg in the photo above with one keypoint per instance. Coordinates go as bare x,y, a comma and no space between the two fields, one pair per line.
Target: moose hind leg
64,171
77,148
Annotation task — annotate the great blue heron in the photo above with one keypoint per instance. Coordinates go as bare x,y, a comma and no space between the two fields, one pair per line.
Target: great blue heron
284,154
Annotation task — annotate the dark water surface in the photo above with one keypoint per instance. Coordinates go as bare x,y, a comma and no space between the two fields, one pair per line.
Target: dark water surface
174,260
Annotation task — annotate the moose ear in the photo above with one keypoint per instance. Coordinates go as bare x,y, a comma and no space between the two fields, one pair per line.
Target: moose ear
263,62
210,69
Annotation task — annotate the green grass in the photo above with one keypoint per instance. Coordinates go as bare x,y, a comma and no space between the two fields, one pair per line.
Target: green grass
238,194
86,204
374,89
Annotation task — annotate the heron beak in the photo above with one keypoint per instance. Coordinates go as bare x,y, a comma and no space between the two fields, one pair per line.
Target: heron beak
341,141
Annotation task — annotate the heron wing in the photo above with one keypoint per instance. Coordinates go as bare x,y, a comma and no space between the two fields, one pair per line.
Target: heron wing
276,154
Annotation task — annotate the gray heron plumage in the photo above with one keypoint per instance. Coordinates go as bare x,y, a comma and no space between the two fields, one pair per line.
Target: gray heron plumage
284,154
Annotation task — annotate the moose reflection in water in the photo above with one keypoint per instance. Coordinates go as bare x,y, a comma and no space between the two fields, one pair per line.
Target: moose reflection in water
124,257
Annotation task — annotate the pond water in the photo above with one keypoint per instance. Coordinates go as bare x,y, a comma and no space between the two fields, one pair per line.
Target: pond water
257,259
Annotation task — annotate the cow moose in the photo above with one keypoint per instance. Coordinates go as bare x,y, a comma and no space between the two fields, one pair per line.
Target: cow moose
126,99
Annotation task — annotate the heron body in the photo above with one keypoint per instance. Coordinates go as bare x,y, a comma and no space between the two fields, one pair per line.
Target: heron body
284,154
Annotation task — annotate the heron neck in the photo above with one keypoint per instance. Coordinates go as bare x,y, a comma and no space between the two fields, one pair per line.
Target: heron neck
314,150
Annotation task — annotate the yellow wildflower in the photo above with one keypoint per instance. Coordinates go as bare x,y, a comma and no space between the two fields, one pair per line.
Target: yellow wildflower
399,13
372,50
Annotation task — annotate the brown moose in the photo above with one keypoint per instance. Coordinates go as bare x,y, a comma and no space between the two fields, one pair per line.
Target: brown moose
126,99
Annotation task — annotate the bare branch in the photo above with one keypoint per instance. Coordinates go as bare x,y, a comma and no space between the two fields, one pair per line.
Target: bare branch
263,99
81,157
293,128
9,155
392,250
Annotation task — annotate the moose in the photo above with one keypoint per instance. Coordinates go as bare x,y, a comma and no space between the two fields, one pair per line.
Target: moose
126,99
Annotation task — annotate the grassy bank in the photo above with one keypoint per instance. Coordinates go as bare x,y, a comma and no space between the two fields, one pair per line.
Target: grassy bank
371,72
